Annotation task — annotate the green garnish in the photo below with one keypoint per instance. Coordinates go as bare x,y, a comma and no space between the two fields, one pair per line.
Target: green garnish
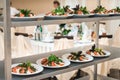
99,9
58,11
84,10
53,58
117,9
26,65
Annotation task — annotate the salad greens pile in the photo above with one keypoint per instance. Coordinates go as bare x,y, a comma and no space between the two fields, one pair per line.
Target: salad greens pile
84,10
53,58
63,30
26,65
25,12
66,8
58,11
117,9
76,55
99,9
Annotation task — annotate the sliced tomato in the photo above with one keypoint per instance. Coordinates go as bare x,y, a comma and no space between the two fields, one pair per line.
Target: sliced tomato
81,58
53,64
14,70
30,70
95,53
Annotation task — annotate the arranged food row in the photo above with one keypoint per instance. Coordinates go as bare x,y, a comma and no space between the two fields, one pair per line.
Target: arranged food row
83,11
53,61
66,12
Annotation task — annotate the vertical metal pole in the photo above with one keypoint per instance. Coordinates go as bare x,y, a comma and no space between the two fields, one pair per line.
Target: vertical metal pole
97,34
99,2
97,45
7,40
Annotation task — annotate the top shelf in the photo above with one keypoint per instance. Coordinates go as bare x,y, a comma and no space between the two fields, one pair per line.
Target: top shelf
61,21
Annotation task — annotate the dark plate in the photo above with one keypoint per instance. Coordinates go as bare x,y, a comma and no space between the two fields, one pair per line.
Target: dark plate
26,18
101,15
83,16
114,14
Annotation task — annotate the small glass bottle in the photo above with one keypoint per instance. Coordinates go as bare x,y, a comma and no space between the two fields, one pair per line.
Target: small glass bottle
38,32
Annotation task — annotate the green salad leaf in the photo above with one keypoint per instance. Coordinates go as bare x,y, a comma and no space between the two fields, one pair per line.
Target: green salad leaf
84,10
54,58
58,11
99,9
26,12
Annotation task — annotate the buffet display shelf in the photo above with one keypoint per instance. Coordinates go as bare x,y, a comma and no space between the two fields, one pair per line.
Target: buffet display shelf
62,21
99,76
52,72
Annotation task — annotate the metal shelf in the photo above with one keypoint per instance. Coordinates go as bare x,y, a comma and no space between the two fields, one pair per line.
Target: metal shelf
52,72
48,22
5,66
61,21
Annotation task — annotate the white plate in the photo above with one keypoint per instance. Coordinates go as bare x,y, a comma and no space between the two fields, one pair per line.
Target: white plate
90,58
37,67
62,16
84,15
100,56
26,18
66,63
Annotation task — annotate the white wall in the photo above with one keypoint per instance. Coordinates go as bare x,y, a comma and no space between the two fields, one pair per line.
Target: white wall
1,3
37,6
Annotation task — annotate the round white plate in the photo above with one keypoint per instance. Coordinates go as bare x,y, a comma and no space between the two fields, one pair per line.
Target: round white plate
62,16
37,67
100,56
26,18
90,58
84,15
66,63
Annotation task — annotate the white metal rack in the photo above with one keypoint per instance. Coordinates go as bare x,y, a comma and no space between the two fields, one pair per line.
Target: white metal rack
5,66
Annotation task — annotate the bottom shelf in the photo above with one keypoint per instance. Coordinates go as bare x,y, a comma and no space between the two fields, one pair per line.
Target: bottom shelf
99,78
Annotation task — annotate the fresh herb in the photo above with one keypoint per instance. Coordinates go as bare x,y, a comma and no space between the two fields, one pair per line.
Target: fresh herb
62,26
53,58
25,12
65,32
98,50
58,11
66,8
26,65
76,9
117,9
76,55
84,10
99,9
